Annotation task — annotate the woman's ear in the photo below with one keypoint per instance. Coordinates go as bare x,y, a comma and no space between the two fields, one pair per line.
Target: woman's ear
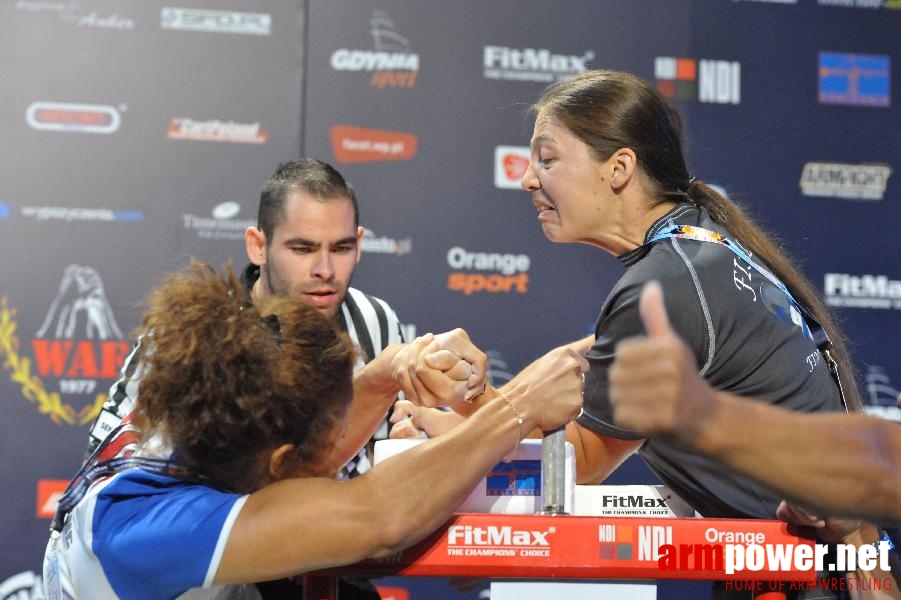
624,165
277,461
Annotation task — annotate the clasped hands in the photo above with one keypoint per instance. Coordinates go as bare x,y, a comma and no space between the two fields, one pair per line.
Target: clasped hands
440,370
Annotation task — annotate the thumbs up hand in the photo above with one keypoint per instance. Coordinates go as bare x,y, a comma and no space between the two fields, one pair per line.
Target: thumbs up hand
654,383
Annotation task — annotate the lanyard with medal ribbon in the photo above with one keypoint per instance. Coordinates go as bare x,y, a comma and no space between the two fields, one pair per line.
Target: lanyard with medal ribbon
817,335
99,467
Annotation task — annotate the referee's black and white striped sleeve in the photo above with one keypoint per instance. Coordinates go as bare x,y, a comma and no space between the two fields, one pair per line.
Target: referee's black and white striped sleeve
371,323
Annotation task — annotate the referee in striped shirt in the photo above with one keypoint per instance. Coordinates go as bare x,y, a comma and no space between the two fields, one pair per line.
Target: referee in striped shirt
307,245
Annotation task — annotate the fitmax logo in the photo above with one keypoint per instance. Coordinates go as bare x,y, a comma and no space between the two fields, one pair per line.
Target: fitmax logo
531,64
467,535
632,502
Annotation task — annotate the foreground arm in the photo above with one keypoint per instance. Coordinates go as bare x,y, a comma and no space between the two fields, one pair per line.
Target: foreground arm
838,464
848,531
299,525
597,455
374,392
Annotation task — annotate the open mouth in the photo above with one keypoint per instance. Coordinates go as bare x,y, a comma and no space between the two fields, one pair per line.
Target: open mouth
544,209
321,297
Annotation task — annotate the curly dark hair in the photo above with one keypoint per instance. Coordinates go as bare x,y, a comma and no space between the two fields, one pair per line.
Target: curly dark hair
227,381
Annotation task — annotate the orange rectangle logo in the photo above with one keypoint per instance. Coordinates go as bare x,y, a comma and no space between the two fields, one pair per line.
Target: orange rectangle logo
49,493
358,144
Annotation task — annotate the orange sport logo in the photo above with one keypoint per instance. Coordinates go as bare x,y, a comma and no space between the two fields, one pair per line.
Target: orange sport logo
490,272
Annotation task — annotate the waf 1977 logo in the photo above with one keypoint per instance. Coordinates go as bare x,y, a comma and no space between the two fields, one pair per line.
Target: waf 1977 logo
79,347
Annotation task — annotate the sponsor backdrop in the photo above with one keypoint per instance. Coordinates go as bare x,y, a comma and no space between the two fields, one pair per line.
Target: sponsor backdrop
137,134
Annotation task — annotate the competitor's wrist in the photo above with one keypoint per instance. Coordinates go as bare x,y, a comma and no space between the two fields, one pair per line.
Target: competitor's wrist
466,408
378,374
867,535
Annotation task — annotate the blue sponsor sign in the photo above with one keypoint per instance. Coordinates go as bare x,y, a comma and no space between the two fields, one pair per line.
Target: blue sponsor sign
129,215
514,478
855,79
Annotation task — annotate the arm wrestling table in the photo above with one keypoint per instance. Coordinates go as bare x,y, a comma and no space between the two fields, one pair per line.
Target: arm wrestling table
552,545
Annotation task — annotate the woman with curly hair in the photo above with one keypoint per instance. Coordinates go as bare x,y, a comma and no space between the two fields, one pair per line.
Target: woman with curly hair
224,474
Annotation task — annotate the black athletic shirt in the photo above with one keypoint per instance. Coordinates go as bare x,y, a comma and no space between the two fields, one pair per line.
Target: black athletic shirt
728,314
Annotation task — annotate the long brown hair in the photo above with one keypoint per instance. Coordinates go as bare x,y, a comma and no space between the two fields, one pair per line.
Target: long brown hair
226,381
609,110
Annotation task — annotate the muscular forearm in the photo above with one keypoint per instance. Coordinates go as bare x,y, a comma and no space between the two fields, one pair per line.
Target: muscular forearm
839,464
299,525
302,524
374,393
425,484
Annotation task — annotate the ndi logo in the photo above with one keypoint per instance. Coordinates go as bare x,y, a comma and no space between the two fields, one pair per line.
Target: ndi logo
710,81
617,542
879,388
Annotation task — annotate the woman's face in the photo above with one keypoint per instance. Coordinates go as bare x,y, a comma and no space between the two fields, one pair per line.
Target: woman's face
324,463
570,187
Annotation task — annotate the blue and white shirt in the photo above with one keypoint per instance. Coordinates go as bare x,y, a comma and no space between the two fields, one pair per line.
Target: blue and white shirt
143,535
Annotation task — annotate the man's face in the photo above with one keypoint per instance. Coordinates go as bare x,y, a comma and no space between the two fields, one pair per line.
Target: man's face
313,252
